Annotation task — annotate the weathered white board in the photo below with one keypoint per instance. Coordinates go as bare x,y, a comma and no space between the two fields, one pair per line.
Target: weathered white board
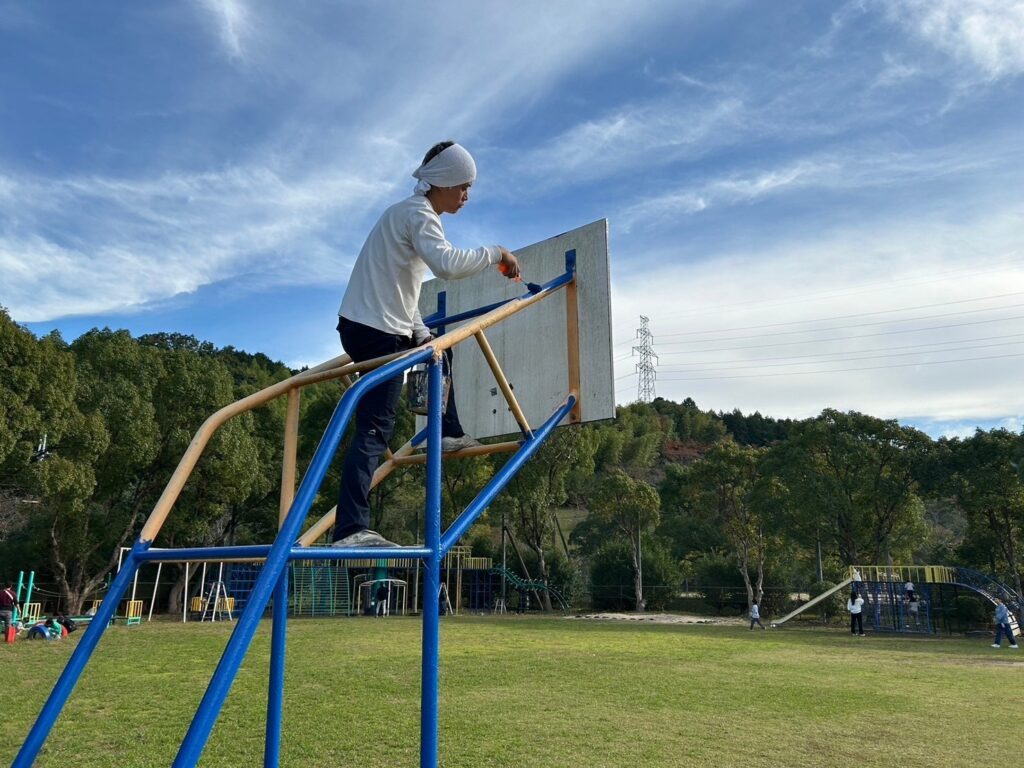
532,346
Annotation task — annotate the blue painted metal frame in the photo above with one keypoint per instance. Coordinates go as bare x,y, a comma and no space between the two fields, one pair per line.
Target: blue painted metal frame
273,579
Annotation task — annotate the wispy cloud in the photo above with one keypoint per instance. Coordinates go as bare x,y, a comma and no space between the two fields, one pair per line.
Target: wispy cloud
783,358
853,168
168,235
234,23
633,137
987,35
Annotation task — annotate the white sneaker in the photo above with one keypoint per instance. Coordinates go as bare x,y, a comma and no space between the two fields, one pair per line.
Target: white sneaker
364,538
450,444
1015,646
995,645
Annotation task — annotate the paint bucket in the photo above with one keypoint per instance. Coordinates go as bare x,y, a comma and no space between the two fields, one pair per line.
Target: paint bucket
417,383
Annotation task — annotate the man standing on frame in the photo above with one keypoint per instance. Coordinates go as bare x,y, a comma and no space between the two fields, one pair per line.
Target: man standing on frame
379,315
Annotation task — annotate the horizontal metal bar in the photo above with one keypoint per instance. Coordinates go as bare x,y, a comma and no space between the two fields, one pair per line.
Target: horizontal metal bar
359,553
260,552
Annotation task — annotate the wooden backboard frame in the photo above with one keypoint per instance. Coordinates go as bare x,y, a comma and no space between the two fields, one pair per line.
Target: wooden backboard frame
563,342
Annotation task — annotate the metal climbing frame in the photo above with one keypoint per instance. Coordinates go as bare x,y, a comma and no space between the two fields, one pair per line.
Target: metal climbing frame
273,578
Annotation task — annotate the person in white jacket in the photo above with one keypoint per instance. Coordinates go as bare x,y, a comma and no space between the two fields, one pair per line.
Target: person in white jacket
755,616
855,605
379,315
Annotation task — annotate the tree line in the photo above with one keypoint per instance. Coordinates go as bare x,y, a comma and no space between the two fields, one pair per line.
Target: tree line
665,493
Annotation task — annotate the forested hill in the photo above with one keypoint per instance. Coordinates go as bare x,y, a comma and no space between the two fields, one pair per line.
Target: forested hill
696,494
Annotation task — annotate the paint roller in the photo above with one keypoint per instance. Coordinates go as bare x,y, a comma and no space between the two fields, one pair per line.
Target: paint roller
531,287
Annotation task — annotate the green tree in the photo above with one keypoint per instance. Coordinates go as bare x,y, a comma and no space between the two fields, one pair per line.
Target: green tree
723,486
628,508
851,482
987,481
531,498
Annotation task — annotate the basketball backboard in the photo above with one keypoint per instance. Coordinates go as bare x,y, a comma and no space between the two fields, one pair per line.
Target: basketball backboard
533,346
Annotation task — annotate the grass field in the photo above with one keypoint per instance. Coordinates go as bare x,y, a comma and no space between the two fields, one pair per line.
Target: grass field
534,692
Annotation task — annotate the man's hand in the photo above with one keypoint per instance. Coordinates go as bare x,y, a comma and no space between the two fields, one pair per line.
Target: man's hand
419,338
509,264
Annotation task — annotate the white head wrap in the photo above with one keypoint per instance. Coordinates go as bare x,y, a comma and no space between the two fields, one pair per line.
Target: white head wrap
451,167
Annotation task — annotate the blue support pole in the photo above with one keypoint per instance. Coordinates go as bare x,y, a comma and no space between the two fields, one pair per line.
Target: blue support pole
277,559
275,691
432,580
502,477
66,682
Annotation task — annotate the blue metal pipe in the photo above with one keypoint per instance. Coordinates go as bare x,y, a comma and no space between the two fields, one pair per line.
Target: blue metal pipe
260,552
277,559
199,554
429,693
66,682
358,553
438,318
275,690
502,477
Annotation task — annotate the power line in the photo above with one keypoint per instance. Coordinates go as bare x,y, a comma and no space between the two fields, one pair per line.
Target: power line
861,351
859,289
705,312
852,325
843,370
744,367
858,314
845,338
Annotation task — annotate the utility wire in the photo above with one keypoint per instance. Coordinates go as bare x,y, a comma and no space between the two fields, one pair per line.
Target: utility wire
705,312
845,338
858,289
833,354
850,326
843,370
848,317
745,367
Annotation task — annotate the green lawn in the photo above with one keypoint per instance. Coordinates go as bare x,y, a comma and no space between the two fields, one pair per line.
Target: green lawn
534,692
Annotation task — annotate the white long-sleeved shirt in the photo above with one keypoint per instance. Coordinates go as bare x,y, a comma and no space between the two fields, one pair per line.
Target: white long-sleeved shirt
384,288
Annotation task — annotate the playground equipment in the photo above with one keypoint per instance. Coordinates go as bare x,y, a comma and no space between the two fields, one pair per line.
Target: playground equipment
890,607
572,296
30,612
525,586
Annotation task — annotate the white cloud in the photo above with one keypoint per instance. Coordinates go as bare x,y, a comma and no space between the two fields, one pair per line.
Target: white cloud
139,241
748,329
234,24
986,34
633,137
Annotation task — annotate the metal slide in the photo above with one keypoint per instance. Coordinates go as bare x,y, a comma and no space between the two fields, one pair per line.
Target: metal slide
813,602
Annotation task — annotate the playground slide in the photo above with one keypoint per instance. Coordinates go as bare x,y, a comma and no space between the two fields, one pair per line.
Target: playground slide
533,586
811,603
990,589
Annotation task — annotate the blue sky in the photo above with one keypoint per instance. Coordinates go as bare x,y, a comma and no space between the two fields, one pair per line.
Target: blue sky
817,204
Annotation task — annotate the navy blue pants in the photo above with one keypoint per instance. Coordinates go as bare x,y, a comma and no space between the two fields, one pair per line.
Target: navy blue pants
375,423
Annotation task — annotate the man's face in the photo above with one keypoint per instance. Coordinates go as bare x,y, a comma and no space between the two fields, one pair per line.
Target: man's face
451,199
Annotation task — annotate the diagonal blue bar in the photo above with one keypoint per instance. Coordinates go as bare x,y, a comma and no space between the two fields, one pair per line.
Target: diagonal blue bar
436,319
277,559
502,477
66,682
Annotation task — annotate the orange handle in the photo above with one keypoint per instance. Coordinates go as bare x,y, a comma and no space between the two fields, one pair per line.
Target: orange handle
503,268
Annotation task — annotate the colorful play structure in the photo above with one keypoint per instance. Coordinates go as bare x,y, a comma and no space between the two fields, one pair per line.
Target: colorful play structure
909,599
571,382
328,588
29,613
